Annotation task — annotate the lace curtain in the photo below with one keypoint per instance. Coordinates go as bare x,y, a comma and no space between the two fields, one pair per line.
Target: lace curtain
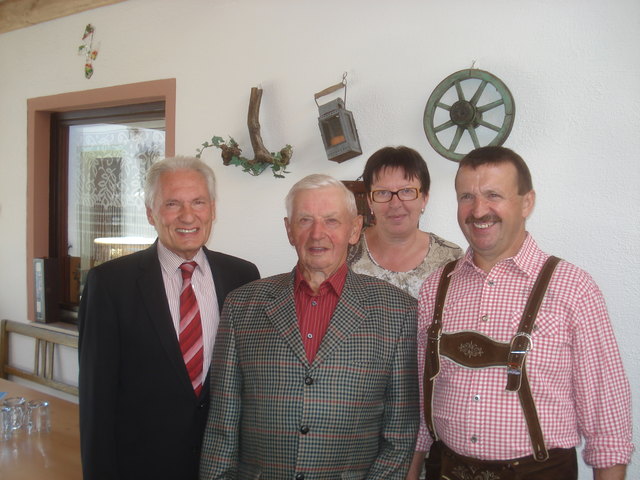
107,216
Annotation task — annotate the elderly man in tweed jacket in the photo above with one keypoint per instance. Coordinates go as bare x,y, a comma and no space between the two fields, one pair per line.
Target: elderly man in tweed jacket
314,371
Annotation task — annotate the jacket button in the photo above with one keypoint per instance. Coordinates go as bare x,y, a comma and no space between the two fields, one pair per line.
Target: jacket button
304,430
308,380
299,476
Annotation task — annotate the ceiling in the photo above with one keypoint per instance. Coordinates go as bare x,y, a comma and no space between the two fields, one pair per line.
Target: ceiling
15,14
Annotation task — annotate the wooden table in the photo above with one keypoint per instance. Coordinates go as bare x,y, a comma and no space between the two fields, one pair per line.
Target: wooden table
47,456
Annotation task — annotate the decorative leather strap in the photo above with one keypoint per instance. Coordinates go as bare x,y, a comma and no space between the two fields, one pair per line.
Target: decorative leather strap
478,351
522,342
473,350
540,452
432,357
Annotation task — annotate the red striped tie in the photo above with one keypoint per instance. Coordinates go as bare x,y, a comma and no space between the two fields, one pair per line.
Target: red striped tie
190,328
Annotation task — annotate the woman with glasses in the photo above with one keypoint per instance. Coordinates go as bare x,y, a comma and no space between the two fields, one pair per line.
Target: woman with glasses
394,248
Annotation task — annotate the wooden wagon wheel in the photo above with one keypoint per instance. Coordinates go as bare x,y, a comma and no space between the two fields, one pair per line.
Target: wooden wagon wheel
468,116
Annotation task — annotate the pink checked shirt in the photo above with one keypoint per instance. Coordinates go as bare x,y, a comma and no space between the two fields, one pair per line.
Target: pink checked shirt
576,375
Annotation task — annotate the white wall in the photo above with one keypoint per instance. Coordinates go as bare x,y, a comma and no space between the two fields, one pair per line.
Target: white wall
572,65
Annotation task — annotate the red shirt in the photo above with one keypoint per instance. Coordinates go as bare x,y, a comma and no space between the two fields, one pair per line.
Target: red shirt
314,310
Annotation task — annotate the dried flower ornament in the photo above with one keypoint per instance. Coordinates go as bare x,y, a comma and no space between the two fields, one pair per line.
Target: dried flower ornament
263,158
87,50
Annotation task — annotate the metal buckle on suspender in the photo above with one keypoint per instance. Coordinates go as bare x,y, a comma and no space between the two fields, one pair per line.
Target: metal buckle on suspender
529,346
515,368
436,338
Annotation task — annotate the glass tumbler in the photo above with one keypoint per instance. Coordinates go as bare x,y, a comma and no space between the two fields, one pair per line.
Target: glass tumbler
38,416
6,430
17,408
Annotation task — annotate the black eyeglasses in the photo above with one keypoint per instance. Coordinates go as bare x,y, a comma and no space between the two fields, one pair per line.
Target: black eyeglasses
404,194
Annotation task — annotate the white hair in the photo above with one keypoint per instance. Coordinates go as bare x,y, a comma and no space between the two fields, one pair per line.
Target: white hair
318,180
174,164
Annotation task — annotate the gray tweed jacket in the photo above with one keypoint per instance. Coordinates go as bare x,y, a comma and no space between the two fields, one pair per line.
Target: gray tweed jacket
351,414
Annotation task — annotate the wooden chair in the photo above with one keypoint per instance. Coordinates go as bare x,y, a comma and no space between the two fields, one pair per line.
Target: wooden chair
46,341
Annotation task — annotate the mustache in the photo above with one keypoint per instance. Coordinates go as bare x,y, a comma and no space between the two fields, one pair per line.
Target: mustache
489,218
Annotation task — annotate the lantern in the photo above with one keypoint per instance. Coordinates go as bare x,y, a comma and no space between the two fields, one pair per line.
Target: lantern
337,127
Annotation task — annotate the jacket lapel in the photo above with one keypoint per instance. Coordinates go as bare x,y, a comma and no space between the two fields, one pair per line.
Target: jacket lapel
281,311
218,279
346,318
154,297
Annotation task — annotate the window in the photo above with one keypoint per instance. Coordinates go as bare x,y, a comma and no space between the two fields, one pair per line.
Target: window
99,160
88,153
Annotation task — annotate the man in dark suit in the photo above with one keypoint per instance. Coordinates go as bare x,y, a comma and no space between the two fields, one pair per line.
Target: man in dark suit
314,374
146,335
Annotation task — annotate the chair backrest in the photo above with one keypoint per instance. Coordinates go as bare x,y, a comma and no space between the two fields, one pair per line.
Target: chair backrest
46,341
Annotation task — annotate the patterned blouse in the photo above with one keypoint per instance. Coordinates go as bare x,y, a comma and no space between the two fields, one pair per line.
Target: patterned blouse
440,252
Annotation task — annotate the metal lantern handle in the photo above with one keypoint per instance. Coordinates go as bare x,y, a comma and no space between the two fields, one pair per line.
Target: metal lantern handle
333,88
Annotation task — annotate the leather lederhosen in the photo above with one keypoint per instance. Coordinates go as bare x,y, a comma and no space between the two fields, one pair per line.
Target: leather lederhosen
562,464
474,350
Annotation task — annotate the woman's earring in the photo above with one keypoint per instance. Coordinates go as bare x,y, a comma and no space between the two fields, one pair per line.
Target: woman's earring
372,218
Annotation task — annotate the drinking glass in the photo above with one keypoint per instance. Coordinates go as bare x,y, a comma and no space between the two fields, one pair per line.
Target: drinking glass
5,424
17,409
38,416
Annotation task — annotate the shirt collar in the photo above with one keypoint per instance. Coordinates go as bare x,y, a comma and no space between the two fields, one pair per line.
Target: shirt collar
170,262
334,283
525,260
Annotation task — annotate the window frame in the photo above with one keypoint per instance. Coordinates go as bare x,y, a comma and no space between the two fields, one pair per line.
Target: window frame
59,169
40,143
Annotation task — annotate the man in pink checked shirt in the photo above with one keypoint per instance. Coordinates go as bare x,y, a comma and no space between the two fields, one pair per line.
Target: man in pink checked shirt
509,395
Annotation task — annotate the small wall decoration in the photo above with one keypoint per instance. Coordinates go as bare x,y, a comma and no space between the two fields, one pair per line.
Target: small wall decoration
454,125
88,51
337,127
262,158
360,193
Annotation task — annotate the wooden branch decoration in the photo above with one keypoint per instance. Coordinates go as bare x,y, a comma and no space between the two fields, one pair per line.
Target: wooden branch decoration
261,156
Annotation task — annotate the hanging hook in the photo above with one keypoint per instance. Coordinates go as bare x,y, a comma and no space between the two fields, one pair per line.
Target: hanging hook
344,82
334,88
470,73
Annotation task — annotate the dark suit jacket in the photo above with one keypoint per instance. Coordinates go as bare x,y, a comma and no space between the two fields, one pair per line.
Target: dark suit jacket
351,414
139,416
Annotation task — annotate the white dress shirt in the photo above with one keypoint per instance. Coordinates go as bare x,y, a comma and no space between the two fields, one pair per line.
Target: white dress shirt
205,290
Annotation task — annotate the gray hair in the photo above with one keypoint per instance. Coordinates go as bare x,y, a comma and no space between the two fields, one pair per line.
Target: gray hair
317,180
174,164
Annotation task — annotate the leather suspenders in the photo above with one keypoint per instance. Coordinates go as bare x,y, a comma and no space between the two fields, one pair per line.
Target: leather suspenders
472,349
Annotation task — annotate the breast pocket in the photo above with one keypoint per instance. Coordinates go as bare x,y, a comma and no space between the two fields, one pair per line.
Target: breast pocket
550,351
354,475
249,471
367,372
368,362
548,327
